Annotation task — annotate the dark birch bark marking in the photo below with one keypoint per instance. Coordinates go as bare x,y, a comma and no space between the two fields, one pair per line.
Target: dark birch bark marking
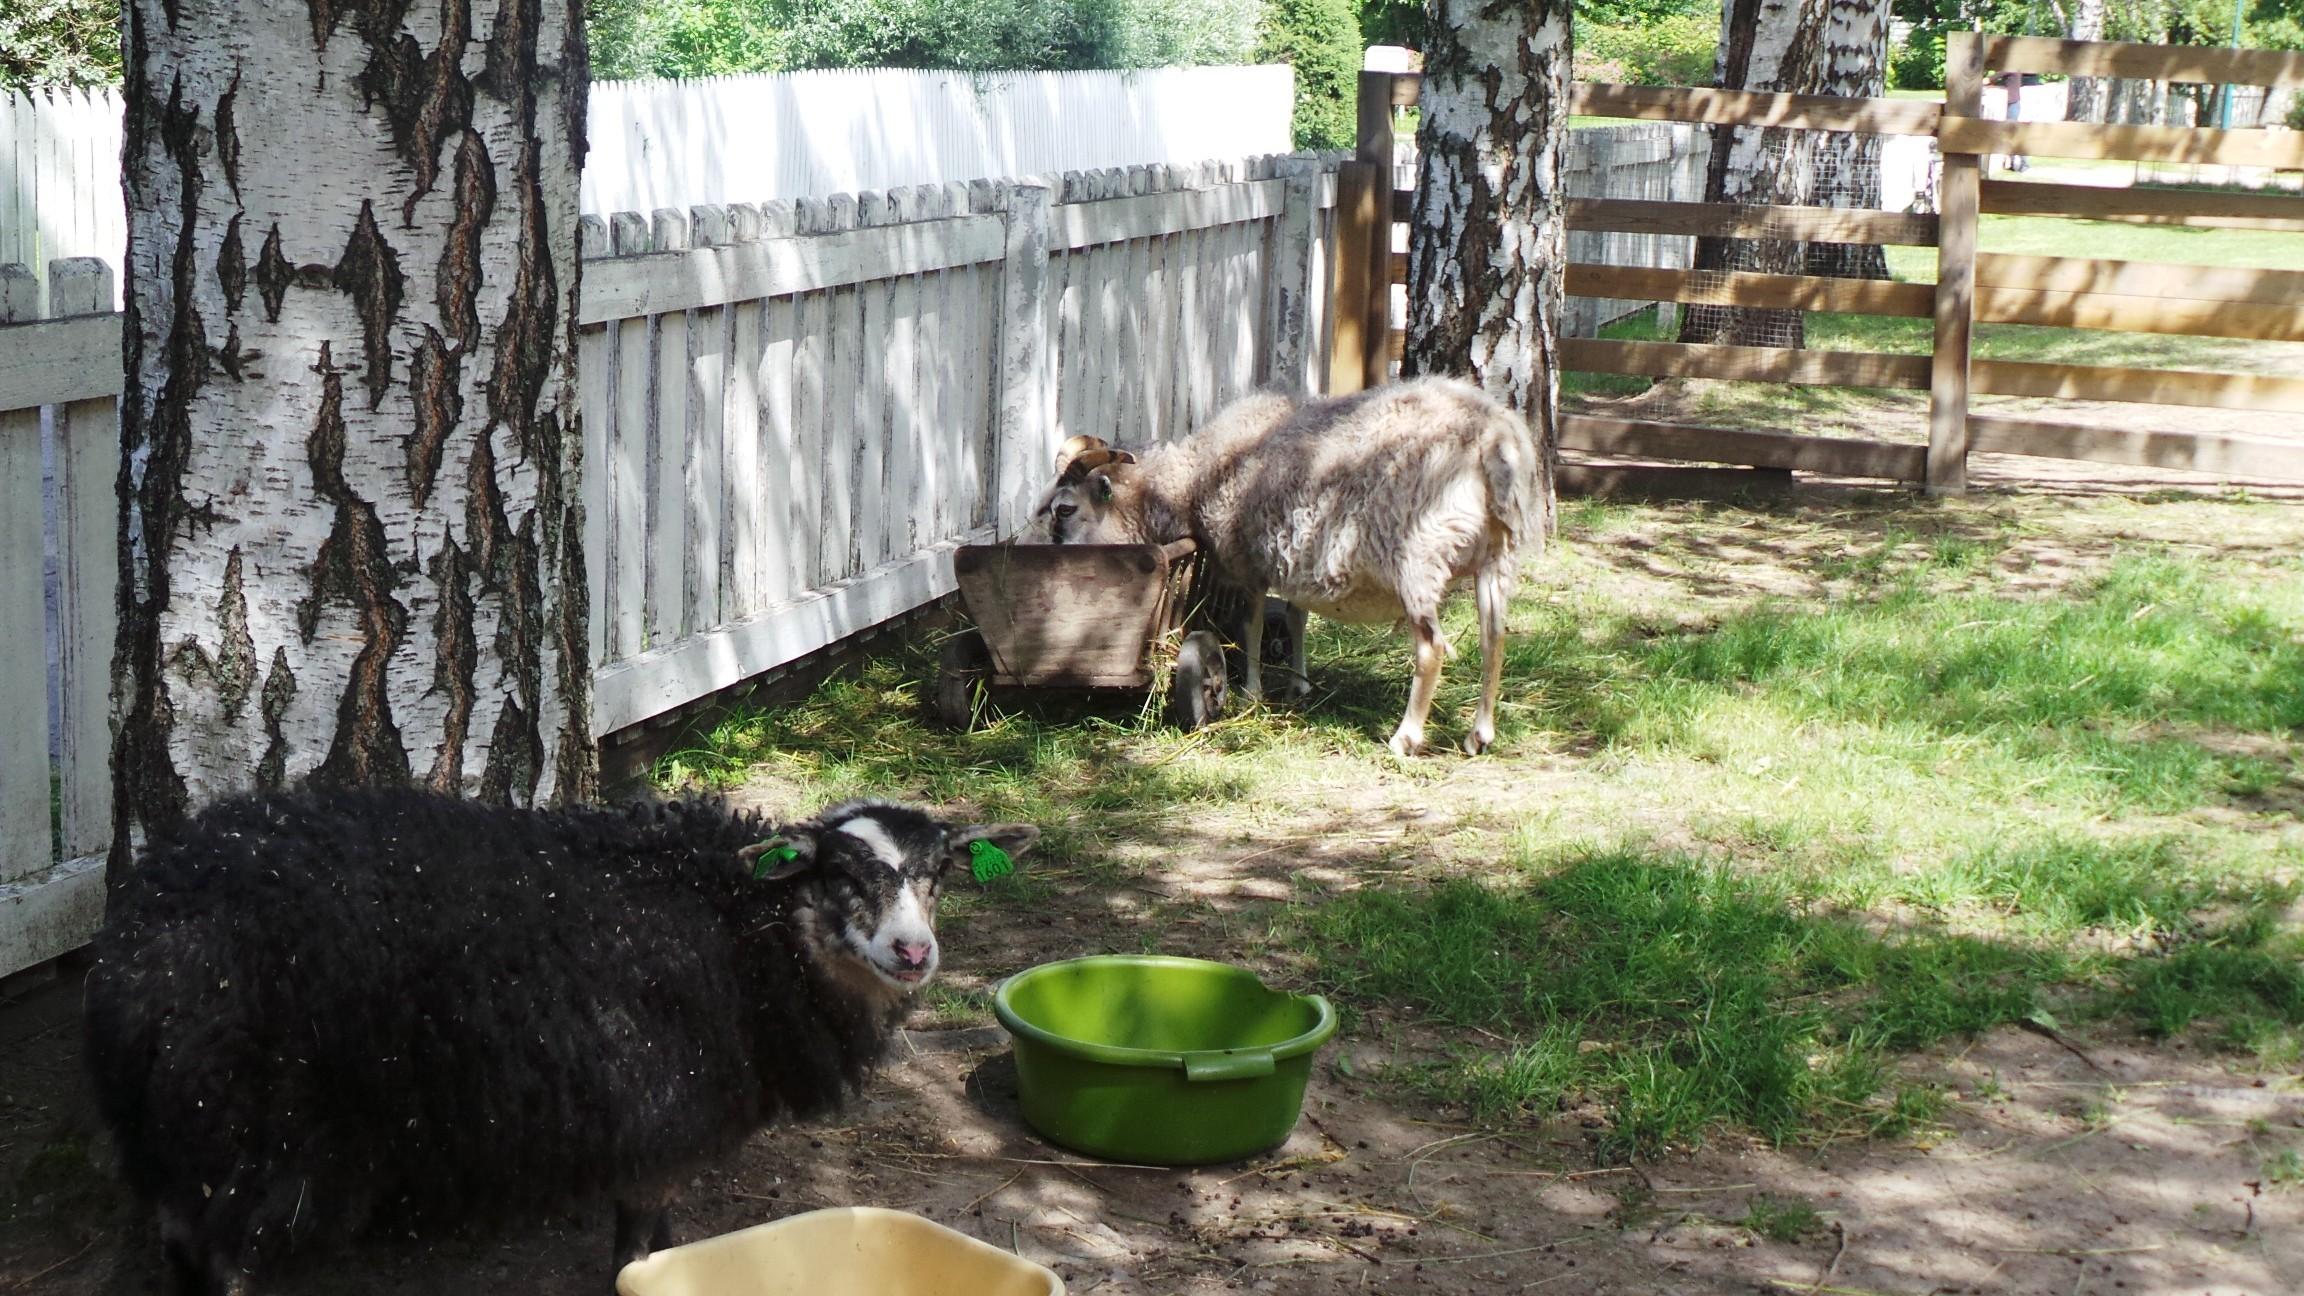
457,292
455,667
273,275
354,570
232,266
236,655
228,138
434,385
369,272
279,693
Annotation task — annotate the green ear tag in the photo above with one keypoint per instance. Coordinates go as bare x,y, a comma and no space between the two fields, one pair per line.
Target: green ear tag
770,861
987,861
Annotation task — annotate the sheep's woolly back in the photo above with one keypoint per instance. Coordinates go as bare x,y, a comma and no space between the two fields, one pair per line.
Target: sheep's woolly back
308,1010
1363,508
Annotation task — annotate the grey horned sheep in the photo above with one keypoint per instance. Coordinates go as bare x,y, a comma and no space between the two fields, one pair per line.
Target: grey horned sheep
321,1013
1364,508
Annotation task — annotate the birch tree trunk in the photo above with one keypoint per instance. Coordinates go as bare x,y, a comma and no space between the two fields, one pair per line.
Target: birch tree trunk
1487,242
1848,163
351,523
2086,98
1770,45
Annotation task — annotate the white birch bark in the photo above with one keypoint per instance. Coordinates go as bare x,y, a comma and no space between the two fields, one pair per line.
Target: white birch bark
1848,163
351,518
1769,45
1487,245
2086,98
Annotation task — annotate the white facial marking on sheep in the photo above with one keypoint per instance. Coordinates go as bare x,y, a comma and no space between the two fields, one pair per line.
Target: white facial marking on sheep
872,833
903,949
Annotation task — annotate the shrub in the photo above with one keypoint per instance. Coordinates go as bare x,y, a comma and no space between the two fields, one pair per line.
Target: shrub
1321,40
1918,63
1674,49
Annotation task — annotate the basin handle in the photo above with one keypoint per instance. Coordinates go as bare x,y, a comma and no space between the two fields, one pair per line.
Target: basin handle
1228,1064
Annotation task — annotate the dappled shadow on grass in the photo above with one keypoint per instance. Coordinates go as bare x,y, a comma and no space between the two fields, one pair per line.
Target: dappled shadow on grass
1084,767
1680,996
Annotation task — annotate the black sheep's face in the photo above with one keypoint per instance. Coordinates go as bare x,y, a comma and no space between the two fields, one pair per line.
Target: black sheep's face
874,875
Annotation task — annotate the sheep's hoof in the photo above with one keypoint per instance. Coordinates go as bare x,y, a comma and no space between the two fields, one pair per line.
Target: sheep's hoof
1477,742
1405,746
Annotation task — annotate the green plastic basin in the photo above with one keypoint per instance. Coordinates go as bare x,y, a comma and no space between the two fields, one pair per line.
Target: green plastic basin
1167,1061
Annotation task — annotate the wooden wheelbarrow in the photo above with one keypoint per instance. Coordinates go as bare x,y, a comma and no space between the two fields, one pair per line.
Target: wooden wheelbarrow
1101,617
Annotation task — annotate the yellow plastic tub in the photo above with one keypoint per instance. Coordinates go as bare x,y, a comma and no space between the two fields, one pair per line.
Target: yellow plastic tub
848,1251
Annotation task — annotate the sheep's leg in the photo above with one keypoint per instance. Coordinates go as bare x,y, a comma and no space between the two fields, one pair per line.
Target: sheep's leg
1408,739
1296,616
640,1231
1252,644
1490,592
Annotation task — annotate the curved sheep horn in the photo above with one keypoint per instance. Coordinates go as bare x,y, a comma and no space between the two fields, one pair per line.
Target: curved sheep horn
1083,453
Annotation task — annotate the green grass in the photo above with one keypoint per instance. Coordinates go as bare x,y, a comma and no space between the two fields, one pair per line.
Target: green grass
1782,1219
1681,994
1798,838
2284,1170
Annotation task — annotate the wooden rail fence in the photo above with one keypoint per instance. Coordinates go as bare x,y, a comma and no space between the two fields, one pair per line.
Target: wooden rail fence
1972,287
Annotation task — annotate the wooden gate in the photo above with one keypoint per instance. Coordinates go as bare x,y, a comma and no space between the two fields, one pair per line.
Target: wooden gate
1972,287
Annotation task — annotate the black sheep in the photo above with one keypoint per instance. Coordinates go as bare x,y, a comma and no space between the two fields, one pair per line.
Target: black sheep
314,1013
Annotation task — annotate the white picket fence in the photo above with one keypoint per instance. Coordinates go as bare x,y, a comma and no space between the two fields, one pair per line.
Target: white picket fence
59,559
60,177
797,411
793,412
733,139
798,135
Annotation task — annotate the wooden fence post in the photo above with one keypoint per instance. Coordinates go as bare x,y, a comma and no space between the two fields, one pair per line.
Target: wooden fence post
1292,276
1377,145
1363,191
1024,439
23,632
88,573
1958,208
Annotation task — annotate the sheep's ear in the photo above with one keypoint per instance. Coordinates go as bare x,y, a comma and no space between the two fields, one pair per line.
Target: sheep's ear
1104,488
780,857
989,850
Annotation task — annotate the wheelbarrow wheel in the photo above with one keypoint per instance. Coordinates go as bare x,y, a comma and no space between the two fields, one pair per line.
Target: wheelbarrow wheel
1197,688
961,667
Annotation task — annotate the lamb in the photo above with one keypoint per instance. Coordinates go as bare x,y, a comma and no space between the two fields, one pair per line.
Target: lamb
1365,508
317,1013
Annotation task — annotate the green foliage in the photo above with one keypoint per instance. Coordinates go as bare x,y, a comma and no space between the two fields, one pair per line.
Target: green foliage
59,43
687,38
1321,39
636,39
1918,62
1393,22
1669,49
